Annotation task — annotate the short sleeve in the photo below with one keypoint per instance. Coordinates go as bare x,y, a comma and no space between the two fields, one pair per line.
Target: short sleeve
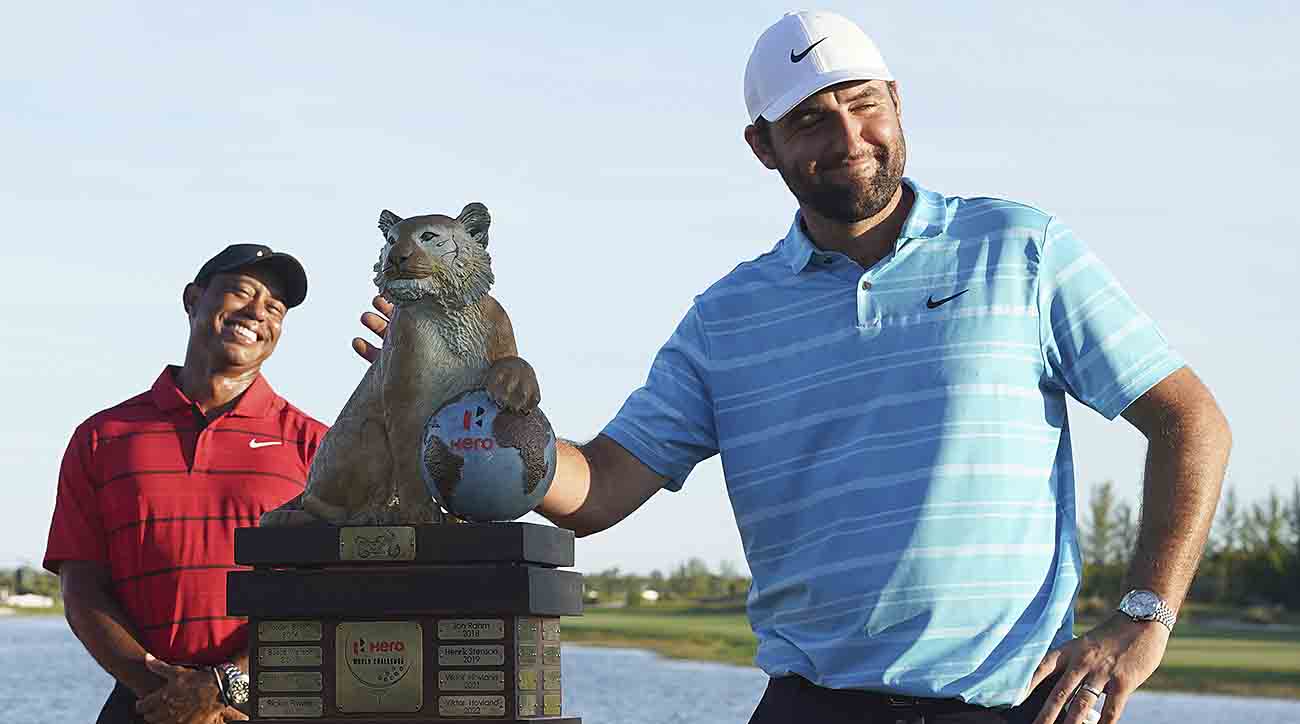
1098,346
77,529
668,423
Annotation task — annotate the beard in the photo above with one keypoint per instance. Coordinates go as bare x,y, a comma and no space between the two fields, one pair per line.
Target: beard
855,199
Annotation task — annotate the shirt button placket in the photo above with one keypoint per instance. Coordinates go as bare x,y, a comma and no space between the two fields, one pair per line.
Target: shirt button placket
868,309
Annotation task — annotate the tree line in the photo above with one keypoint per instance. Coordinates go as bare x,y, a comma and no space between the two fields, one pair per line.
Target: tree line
1251,559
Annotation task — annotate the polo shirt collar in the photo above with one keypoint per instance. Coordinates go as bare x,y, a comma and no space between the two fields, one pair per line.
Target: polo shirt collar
928,218
259,400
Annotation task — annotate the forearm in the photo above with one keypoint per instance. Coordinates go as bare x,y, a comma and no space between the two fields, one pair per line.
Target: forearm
596,485
567,501
99,621
1185,463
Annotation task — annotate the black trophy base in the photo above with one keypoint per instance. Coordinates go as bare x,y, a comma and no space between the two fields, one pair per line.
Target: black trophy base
378,624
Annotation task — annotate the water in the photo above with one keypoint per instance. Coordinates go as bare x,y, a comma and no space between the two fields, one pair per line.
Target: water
46,677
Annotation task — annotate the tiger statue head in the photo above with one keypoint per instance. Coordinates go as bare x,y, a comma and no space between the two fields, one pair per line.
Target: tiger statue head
436,257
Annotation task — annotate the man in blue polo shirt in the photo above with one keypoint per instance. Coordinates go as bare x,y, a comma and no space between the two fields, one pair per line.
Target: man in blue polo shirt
887,390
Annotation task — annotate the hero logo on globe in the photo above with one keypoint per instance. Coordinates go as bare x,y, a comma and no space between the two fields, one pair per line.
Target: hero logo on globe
378,663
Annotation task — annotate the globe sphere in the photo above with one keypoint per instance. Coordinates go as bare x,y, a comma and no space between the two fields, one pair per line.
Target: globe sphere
482,463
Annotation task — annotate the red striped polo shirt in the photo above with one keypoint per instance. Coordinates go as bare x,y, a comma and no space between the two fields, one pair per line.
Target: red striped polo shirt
151,492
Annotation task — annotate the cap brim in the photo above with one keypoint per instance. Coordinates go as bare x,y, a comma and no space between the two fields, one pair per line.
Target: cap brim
783,105
290,272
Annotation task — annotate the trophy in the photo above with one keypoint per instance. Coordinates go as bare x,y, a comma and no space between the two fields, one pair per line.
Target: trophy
370,598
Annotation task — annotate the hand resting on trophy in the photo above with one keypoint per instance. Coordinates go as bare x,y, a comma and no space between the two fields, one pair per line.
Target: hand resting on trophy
446,415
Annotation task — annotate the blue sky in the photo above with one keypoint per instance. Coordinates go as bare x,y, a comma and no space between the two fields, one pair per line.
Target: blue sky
606,140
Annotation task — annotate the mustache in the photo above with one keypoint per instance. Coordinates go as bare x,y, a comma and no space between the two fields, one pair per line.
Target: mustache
879,155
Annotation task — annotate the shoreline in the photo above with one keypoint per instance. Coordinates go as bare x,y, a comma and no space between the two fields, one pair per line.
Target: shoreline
1223,662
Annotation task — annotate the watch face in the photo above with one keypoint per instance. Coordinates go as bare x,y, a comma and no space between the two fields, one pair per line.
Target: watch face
1142,603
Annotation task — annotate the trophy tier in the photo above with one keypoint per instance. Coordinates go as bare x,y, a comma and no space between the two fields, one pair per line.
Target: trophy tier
411,624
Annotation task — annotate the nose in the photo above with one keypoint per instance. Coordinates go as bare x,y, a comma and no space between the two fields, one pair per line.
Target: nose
400,253
848,134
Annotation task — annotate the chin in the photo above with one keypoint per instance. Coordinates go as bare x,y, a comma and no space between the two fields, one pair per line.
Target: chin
405,291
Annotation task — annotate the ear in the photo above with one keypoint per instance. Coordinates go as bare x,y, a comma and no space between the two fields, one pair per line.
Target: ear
898,100
475,218
387,219
190,298
761,147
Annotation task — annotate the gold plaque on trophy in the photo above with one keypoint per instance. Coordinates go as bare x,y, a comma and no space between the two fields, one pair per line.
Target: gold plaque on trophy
290,707
484,706
550,655
378,667
472,655
276,631
377,543
289,681
298,656
454,680
471,629
551,679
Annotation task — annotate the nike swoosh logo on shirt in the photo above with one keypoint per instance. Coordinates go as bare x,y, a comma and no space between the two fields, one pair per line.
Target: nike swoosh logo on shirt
933,303
255,444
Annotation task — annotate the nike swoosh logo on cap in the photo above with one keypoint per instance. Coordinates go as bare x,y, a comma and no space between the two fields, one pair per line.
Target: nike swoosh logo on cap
796,58
255,444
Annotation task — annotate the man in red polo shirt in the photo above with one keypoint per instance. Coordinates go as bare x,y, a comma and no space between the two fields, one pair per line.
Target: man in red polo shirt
151,492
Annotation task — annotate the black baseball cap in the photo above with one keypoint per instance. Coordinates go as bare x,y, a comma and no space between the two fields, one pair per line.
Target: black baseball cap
242,256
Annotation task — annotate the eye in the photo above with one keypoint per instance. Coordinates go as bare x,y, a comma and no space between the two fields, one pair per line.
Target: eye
427,236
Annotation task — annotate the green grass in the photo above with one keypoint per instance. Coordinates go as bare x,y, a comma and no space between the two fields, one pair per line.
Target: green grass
1252,661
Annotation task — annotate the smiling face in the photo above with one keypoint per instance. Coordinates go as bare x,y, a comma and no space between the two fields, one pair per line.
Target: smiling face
841,152
235,318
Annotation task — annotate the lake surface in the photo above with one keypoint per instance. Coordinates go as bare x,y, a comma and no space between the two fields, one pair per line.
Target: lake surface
46,677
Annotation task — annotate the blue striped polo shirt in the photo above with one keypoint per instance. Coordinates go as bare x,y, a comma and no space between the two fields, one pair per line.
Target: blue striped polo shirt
895,441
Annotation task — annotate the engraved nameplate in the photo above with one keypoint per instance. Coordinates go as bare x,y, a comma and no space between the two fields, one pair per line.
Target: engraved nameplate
551,630
288,681
471,629
486,706
269,631
550,655
527,629
298,656
379,667
472,680
527,654
377,543
290,707
472,655
551,679
528,705
551,704
527,679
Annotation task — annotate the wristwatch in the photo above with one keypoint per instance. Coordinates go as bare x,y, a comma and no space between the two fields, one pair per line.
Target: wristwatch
233,683
1143,605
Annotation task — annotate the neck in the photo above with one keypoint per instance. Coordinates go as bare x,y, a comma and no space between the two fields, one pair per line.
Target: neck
866,241
214,390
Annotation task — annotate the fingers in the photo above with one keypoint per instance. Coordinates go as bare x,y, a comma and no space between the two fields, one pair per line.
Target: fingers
368,351
1114,707
1046,668
383,306
1061,697
162,668
375,323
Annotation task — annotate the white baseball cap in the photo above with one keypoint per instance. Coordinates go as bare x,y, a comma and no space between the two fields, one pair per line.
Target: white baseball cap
803,53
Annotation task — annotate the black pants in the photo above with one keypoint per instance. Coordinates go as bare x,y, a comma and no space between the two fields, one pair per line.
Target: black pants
791,699
120,707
